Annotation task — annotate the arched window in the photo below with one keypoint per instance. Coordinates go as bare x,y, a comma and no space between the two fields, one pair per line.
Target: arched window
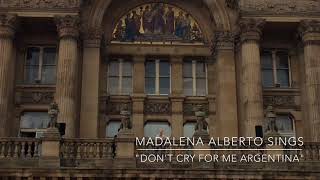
112,128
153,128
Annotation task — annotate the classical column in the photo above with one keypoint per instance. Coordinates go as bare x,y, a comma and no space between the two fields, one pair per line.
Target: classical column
138,95
227,122
90,83
7,31
177,96
251,92
66,89
310,33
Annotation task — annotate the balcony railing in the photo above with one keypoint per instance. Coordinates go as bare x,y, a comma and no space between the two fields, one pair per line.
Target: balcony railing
19,148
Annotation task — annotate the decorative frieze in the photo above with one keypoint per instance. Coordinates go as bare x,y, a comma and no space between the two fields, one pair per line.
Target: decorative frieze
68,26
114,108
157,108
189,108
279,101
34,97
280,7
40,4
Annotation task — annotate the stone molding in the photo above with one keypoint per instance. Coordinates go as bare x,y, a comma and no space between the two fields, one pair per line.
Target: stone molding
280,7
277,100
40,4
251,29
7,25
68,26
309,31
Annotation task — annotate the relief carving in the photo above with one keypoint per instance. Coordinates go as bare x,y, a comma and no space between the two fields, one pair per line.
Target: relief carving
189,108
288,7
34,97
157,108
279,101
32,4
114,108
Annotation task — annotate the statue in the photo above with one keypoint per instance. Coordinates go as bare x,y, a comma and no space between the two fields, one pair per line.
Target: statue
271,120
201,124
53,114
125,119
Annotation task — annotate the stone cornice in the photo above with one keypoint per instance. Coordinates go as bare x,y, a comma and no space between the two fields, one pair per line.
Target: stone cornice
251,29
68,26
7,25
279,8
309,31
40,4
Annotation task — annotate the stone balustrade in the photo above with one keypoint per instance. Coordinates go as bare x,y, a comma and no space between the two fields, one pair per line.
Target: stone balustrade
19,148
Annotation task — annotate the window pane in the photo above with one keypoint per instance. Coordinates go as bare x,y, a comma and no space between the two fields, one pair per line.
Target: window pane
283,78
188,129
126,85
284,124
187,86
164,69
266,60
267,78
114,68
201,87
150,85
164,85
48,75
152,129
34,120
32,65
187,69
31,74
113,85
112,128
126,69
33,56
200,70
150,69
49,56
282,60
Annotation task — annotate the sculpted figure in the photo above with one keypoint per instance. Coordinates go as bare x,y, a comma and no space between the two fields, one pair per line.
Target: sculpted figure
147,20
169,21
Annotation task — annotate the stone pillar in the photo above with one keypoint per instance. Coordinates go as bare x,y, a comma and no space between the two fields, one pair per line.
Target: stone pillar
90,84
138,96
177,96
251,83
310,33
66,89
227,122
7,31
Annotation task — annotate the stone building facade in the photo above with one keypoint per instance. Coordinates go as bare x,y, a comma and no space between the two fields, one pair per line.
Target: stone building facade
162,59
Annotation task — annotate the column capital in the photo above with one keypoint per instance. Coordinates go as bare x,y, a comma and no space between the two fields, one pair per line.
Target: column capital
68,26
251,29
224,40
92,37
309,31
7,25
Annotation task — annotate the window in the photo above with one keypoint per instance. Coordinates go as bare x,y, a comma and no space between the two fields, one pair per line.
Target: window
194,78
285,125
275,68
152,129
33,123
40,66
113,127
120,77
189,129
157,77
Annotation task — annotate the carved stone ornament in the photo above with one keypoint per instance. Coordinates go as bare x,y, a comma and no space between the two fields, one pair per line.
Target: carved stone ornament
189,108
280,7
279,101
114,108
309,31
125,117
68,26
157,108
53,112
222,40
251,29
92,37
40,4
7,25
34,97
